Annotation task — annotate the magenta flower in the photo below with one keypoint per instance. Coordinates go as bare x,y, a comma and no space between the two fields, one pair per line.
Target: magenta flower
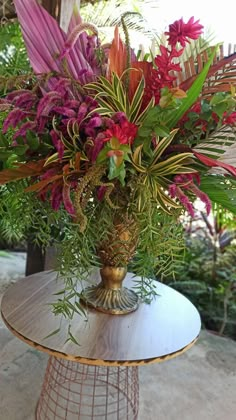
186,182
13,119
29,125
67,199
58,144
181,32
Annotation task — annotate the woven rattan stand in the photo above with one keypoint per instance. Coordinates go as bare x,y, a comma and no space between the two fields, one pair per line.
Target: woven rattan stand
97,379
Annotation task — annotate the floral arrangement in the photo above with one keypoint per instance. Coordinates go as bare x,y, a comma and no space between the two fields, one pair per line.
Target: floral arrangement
107,139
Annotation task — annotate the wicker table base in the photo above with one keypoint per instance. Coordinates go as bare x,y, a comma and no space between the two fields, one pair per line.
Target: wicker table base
75,391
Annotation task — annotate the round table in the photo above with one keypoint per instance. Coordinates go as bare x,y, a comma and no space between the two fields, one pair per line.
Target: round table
98,377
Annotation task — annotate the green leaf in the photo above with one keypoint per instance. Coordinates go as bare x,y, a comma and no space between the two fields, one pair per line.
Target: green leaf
220,108
4,155
144,131
102,156
52,333
161,131
3,141
20,150
163,144
116,172
33,143
192,94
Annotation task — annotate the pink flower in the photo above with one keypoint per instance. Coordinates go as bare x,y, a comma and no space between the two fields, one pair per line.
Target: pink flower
186,182
180,31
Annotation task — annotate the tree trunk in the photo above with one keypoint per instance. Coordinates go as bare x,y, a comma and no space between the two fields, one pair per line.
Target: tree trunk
35,258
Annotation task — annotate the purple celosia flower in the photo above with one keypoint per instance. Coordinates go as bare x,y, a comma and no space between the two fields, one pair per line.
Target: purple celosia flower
58,144
67,199
25,100
98,144
29,125
101,192
184,200
62,110
13,119
47,103
56,197
92,125
42,121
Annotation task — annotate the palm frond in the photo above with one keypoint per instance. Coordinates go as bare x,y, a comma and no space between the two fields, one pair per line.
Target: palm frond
220,190
106,15
220,145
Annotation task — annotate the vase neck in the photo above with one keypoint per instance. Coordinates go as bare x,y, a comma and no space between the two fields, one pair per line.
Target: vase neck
112,277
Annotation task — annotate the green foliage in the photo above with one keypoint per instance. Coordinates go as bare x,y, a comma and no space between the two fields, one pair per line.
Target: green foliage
205,121
13,56
207,276
159,250
221,190
159,245
193,94
19,212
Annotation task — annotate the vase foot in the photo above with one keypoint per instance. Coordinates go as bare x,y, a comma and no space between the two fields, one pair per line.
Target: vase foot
111,301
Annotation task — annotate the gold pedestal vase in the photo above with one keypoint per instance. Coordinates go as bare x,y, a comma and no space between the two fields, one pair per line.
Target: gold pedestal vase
115,252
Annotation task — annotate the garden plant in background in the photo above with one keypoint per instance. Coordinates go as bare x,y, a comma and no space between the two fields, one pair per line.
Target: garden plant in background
105,145
207,275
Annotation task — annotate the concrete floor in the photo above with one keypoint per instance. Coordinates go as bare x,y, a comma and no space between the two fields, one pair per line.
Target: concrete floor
198,385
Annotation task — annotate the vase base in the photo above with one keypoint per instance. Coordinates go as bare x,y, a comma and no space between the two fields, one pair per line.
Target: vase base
111,301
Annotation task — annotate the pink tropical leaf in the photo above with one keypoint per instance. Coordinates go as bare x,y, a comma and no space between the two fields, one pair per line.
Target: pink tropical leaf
45,41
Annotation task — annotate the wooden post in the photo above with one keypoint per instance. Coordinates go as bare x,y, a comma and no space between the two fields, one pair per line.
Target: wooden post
66,12
61,10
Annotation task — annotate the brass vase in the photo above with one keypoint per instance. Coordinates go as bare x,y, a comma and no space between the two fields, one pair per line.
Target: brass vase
115,251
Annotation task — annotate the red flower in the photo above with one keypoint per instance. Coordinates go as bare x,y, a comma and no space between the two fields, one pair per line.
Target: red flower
180,31
196,108
124,132
229,119
161,77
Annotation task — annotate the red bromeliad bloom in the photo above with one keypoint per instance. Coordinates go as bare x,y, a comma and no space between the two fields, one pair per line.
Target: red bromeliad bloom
161,77
180,31
125,132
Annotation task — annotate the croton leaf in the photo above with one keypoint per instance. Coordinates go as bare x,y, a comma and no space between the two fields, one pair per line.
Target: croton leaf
21,171
42,184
